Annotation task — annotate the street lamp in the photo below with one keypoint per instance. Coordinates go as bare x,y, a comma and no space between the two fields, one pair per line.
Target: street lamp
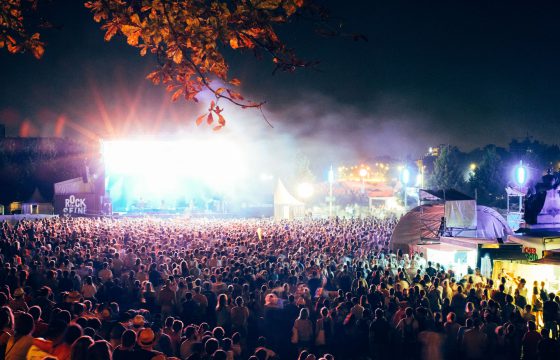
331,181
521,174
520,179
405,179
363,173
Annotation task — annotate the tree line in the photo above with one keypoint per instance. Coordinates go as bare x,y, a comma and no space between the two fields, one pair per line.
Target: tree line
486,172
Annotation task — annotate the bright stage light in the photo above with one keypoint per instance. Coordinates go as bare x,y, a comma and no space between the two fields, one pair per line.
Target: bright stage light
305,190
520,174
418,180
405,176
162,172
363,172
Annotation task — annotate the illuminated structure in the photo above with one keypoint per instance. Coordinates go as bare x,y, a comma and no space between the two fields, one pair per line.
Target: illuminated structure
146,174
377,173
517,191
405,178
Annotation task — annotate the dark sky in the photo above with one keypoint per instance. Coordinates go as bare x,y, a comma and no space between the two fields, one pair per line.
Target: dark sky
466,72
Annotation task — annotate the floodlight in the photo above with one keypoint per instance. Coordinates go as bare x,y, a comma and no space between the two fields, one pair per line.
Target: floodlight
405,176
331,175
521,174
159,171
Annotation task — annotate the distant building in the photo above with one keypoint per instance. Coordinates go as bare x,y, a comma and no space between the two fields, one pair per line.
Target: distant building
374,173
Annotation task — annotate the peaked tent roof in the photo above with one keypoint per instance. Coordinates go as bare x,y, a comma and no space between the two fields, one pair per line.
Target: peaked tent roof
283,197
36,197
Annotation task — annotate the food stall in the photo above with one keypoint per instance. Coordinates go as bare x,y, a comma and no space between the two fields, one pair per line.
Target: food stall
452,256
537,242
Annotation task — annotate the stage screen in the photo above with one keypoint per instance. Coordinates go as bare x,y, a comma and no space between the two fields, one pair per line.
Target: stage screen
145,175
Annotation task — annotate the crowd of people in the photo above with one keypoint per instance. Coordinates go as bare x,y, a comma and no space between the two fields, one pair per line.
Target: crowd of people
147,288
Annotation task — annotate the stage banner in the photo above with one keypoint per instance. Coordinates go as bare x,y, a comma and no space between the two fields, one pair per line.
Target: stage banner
460,214
77,204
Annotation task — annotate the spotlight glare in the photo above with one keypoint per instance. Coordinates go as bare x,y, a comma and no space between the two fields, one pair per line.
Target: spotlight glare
164,171
520,174
305,190
405,176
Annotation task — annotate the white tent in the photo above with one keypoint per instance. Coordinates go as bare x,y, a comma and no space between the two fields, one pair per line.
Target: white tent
286,206
490,224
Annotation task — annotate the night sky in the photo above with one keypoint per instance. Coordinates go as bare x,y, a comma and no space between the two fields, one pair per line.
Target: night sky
461,72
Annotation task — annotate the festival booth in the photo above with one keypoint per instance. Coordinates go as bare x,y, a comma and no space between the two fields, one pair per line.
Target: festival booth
549,264
537,242
539,237
545,269
542,218
493,257
35,205
381,196
454,256
75,197
286,206
449,231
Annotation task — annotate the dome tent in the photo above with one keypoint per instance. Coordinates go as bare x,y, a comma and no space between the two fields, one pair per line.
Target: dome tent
422,224
419,224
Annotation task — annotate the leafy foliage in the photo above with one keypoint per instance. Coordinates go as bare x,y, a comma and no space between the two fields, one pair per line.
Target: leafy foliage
187,38
535,153
14,31
489,179
447,174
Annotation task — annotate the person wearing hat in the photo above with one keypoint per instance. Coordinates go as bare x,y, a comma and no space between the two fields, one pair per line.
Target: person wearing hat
18,302
138,323
146,340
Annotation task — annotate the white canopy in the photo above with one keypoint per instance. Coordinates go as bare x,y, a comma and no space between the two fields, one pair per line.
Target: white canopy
286,206
283,197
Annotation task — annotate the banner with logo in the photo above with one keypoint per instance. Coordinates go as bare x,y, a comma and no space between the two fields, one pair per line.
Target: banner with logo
77,204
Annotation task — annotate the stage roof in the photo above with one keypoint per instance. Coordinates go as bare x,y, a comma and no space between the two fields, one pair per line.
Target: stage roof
445,195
